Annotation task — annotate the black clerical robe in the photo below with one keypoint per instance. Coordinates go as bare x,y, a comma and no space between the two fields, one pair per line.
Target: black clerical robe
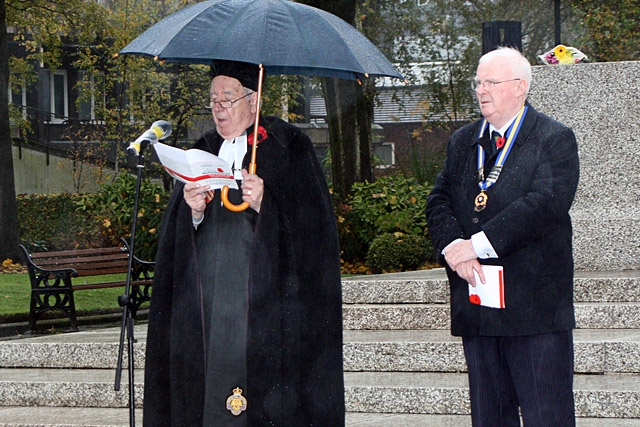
293,316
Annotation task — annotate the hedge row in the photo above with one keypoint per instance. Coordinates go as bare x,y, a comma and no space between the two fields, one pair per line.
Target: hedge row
382,225
74,221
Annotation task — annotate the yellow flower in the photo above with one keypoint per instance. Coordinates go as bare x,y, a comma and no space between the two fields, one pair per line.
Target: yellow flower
564,55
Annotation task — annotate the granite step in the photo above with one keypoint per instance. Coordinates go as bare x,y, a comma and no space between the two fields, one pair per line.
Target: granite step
17,416
100,417
420,300
67,387
89,348
596,351
357,419
604,396
596,396
393,316
431,287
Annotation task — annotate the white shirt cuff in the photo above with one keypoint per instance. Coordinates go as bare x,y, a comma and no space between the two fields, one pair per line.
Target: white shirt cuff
197,222
482,246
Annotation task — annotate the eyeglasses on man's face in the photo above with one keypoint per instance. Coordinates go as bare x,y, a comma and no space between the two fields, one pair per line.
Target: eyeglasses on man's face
226,104
488,84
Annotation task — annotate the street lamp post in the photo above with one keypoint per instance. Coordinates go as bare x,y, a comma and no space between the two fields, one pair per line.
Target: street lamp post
557,21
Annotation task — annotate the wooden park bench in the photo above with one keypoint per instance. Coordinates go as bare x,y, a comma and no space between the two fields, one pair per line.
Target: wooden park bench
51,276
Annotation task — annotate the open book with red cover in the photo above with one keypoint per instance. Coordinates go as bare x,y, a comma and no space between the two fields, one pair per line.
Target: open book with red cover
491,293
195,166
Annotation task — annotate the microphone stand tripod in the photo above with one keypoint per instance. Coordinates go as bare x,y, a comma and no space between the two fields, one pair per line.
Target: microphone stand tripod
126,302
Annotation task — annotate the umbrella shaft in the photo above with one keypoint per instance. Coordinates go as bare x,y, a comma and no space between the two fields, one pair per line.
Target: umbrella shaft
254,151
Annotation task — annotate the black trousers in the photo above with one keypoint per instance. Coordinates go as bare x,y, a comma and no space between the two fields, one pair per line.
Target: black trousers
530,376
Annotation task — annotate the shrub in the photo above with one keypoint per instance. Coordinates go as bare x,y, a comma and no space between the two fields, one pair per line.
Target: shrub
352,248
48,222
110,210
391,252
388,205
71,221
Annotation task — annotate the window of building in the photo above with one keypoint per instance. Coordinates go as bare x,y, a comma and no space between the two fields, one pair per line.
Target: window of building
384,154
91,99
58,96
19,98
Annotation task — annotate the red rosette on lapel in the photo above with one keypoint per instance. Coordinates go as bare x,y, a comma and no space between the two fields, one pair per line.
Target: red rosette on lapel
262,135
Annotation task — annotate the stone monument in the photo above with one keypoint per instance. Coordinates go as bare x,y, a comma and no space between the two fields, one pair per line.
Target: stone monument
601,102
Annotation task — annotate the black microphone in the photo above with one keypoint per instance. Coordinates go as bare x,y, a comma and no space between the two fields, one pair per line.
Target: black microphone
157,132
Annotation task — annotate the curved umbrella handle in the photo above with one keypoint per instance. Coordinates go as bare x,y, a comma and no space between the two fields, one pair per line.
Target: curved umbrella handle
224,194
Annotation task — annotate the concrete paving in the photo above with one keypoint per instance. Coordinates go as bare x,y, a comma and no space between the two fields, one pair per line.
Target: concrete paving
106,417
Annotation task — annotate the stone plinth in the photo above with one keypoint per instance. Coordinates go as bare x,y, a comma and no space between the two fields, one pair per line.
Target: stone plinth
600,101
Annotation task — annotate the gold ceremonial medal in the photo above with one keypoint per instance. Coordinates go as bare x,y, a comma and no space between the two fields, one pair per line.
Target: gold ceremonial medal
481,201
236,403
512,132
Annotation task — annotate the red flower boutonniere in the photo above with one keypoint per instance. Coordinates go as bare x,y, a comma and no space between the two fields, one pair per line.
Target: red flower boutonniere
500,142
262,135
474,299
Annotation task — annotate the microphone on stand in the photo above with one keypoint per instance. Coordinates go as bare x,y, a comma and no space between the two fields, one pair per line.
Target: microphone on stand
157,132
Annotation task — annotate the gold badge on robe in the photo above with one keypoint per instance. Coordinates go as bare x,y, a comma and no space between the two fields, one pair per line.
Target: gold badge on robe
236,403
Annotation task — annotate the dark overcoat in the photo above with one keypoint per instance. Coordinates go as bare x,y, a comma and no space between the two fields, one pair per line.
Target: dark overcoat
294,344
526,221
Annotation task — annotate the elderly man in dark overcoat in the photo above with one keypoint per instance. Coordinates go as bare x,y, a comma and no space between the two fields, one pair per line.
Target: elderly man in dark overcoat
504,201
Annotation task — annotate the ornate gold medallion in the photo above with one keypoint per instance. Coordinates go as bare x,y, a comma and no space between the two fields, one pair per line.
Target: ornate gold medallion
236,403
481,201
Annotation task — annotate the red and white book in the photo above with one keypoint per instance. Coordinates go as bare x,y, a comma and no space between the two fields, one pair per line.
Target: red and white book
490,293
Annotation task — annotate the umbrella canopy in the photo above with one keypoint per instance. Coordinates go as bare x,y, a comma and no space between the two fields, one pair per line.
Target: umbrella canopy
285,37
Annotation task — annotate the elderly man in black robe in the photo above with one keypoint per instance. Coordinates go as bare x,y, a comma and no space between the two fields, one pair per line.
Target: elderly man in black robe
245,324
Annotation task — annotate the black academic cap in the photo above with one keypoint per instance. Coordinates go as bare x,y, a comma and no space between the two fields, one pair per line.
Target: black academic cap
245,73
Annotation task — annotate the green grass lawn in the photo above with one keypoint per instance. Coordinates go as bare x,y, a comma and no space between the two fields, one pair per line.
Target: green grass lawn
15,294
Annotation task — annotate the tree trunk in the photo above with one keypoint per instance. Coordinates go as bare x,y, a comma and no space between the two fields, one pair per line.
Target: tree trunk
9,231
349,134
349,116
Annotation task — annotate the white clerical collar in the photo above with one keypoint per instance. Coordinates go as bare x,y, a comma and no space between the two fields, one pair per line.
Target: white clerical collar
233,151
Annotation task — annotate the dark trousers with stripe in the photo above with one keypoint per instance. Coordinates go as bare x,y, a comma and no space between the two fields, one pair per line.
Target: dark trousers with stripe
528,375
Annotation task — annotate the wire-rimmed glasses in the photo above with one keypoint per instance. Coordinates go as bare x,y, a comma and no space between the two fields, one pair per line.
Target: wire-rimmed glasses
226,104
488,84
